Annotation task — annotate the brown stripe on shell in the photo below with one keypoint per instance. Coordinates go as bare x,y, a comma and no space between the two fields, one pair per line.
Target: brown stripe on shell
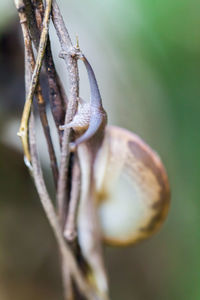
150,159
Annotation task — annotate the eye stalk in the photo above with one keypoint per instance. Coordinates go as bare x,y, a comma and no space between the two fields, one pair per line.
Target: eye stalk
91,117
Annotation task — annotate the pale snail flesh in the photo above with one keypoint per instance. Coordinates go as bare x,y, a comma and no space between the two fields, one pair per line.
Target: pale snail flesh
81,119
132,188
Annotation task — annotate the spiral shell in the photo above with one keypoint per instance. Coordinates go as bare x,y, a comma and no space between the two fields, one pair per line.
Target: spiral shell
132,188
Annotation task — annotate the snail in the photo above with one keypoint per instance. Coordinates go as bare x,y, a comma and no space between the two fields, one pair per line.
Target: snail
125,192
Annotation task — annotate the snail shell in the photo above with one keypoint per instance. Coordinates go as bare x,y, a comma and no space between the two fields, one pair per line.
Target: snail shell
132,188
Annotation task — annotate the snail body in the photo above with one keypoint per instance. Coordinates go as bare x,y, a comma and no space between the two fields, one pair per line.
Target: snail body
81,120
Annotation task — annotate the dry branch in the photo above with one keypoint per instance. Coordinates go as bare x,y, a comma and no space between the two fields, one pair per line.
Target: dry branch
57,96
70,230
29,66
71,63
23,131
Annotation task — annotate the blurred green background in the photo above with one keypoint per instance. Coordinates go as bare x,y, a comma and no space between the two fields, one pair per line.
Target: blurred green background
146,56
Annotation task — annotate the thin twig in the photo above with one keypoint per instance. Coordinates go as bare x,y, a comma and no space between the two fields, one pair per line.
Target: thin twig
40,100
29,64
67,281
23,131
70,230
43,117
57,96
71,63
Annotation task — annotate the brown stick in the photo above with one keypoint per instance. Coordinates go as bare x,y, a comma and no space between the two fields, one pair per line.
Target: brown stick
70,230
57,96
46,129
29,56
72,68
23,131
67,281
71,63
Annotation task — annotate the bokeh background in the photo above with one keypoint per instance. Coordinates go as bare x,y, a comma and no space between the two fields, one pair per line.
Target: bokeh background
146,56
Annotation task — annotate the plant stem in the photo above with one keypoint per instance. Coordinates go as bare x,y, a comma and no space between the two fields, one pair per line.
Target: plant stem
29,66
23,131
71,63
57,96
